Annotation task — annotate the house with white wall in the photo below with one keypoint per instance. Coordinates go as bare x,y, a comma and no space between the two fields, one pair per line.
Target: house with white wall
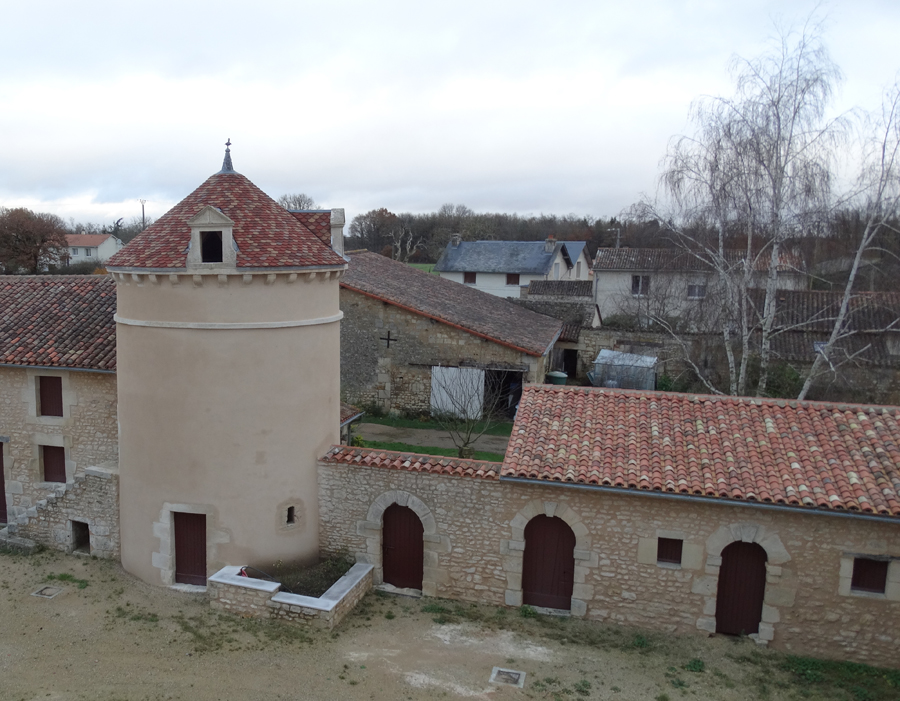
96,248
502,268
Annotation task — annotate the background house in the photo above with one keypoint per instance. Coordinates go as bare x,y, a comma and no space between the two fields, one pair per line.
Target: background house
502,268
667,282
95,248
400,324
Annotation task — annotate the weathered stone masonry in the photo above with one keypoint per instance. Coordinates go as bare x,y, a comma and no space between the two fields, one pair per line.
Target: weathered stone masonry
399,377
44,511
475,553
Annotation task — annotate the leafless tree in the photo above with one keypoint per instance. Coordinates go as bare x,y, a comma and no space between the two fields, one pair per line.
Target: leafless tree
299,200
758,169
403,244
466,402
877,197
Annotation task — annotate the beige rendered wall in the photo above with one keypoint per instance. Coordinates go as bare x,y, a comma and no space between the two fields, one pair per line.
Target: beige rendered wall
225,421
474,540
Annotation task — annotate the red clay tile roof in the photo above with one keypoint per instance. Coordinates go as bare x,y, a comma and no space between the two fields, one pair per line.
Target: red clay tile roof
316,220
61,321
412,462
86,239
808,454
267,235
466,308
349,412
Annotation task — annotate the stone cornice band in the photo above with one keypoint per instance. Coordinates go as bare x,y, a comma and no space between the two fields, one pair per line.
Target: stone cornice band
229,325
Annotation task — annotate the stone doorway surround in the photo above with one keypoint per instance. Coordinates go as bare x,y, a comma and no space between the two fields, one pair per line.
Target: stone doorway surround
779,593
435,544
164,530
513,552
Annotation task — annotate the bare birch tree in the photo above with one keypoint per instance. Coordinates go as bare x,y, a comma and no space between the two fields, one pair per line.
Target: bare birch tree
759,166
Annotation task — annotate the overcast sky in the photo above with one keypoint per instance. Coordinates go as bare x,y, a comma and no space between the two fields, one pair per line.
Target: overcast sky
520,106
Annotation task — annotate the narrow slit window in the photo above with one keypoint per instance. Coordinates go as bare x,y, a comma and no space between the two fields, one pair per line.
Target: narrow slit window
668,550
211,246
869,575
291,515
53,459
50,396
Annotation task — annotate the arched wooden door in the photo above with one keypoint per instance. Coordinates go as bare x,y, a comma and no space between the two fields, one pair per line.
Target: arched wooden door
402,547
742,586
548,567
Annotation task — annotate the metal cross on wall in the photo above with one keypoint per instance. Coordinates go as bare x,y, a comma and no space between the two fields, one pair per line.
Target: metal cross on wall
388,339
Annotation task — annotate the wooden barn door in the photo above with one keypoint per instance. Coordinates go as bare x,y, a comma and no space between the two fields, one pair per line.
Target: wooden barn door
2,489
742,586
190,548
402,547
548,570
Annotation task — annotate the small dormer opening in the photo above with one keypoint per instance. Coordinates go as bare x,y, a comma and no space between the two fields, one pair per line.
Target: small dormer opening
211,246
291,515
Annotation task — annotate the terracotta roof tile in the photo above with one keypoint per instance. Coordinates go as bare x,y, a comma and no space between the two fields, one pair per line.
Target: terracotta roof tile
316,220
86,239
807,454
267,235
464,307
61,321
412,462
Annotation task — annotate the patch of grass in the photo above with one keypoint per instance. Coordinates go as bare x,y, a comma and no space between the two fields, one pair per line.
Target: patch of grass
390,615
527,611
503,428
640,641
66,577
429,450
861,682
582,688
311,580
435,608
424,267
662,697
695,665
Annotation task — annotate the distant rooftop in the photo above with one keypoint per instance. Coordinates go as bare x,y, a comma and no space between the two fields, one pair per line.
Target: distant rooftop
524,257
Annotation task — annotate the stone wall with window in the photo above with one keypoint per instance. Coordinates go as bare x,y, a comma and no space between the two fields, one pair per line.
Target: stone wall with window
387,354
84,435
474,543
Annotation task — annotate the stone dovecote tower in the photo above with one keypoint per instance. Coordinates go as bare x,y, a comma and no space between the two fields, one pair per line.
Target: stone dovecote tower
228,382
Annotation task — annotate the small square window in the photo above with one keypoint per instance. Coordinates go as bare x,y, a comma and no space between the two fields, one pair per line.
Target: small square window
469,278
512,278
640,285
53,463
668,550
50,401
696,291
869,575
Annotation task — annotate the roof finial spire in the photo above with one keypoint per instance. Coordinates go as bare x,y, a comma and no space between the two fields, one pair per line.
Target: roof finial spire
226,164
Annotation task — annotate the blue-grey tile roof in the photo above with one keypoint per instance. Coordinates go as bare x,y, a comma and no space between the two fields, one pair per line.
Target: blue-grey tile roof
524,257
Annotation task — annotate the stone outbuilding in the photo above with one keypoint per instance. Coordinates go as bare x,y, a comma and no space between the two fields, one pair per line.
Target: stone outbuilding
681,513
401,323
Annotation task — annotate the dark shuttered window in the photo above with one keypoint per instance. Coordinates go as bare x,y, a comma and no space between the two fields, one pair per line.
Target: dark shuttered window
54,459
469,278
669,550
512,278
51,396
869,575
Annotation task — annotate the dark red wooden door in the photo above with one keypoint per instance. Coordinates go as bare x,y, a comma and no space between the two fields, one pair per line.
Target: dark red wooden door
2,489
548,570
742,586
51,396
402,547
190,548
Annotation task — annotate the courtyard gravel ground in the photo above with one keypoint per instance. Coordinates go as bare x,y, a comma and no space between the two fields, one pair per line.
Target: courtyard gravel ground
109,637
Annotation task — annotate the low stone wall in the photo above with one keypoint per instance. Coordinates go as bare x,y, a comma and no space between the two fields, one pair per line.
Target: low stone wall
246,596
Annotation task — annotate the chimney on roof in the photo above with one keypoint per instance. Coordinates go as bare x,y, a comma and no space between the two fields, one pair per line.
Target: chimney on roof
549,244
455,240
337,231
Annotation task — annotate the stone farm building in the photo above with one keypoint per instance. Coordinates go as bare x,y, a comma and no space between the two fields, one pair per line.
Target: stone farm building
406,333
182,415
